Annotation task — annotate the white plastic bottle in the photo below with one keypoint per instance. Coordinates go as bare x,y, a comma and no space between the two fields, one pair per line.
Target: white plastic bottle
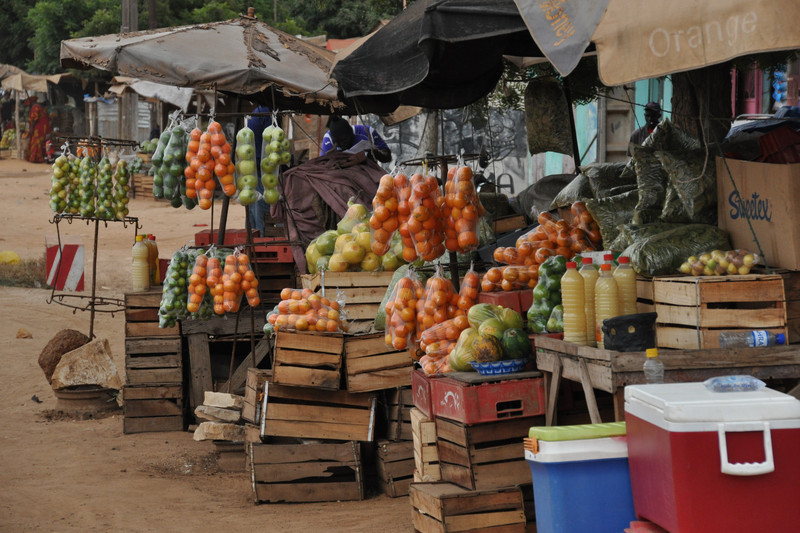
606,300
140,269
589,274
653,367
572,298
625,277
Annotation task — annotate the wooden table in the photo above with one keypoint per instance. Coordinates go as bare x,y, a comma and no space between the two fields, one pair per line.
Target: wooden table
610,371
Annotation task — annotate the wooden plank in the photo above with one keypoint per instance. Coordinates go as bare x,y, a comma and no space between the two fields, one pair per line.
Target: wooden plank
512,520
152,392
588,392
544,342
768,317
148,298
423,427
427,454
145,314
156,361
366,345
346,279
376,362
458,474
308,492
153,345
281,473
379,380
225,325
332,414
150,329
152,424
696,290
288,453
154,376
599,374
395,451
713,359
387,471
200,365
362,311
552,384
400,395
162,407
328,397
452,453
306,358
310,342
306,377
396,487
688,338
316,430
494,454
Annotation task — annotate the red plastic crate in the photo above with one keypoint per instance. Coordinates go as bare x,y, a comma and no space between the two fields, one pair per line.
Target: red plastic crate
275,253
488,398
233,237
421,389
509,299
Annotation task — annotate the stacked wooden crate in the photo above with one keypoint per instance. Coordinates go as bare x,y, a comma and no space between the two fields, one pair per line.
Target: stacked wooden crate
478,424
326,387
395,452
153,394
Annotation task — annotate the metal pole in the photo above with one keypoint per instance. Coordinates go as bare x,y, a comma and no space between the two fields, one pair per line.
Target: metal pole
94,279
16,124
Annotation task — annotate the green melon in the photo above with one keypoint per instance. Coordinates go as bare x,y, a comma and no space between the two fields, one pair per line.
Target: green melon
516,344
493,327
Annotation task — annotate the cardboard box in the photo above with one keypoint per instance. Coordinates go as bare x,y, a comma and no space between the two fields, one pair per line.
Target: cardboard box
769,195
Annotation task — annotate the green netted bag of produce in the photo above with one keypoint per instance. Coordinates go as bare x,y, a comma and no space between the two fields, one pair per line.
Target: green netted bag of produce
611,213
555,323
692,187
651,181
663,253
667,137
603,177
355,213
578,190
547,293
630,233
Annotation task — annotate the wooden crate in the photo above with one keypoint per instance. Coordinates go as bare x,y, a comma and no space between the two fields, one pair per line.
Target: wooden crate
143,186
694,310
272,278
362,291
317,414
153,361
426,458
371,365
231,456
397,405
395,467
484,456
149,408
791,289
308,360
253,393
141,315
509,223
445,507
313,472
644,295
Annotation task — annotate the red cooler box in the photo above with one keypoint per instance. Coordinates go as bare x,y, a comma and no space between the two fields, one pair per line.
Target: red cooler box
703,461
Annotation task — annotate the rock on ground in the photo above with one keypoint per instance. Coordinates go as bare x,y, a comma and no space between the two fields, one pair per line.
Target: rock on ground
64,341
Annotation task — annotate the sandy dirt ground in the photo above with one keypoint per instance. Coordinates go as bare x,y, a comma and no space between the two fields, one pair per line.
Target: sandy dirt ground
65,474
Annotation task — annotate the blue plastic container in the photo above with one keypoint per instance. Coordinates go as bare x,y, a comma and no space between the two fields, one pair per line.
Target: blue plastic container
581,485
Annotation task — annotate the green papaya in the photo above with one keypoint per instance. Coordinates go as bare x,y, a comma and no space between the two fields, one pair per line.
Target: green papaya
511,319
480,312
516,344
487,348
493,327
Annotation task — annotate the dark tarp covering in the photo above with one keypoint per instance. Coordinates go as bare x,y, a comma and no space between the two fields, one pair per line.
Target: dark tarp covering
440,54
333,178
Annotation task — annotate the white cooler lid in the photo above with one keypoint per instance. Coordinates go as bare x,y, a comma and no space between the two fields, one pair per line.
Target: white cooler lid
687,406
563,451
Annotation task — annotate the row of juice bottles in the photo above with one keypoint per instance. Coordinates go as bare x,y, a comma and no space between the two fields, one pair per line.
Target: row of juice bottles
145,271
590,296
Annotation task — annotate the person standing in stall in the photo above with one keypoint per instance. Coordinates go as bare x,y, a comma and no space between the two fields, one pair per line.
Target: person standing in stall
343,137
652,116
39,121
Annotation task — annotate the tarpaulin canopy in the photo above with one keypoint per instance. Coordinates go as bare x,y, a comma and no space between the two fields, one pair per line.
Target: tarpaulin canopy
8,70
447,53
180,97
242,56
435,54
30,82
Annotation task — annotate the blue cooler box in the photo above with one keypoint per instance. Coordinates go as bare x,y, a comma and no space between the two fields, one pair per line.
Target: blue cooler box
581,481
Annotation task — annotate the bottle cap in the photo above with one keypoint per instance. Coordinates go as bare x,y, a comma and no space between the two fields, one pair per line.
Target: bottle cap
572,264
139,238
780,338
605,266
608,257
652,352
623,260
586,260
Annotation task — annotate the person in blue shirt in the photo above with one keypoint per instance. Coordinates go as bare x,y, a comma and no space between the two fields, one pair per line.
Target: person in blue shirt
343,137
258,123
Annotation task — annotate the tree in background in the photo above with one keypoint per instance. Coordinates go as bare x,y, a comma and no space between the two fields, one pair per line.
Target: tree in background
14,48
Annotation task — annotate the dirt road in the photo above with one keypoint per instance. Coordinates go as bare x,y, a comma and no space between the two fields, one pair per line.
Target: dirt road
61,474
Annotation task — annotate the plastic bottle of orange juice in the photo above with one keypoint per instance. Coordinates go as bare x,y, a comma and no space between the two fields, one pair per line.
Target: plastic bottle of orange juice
590,275
606,300
625,277
155,267
572,298
140,270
